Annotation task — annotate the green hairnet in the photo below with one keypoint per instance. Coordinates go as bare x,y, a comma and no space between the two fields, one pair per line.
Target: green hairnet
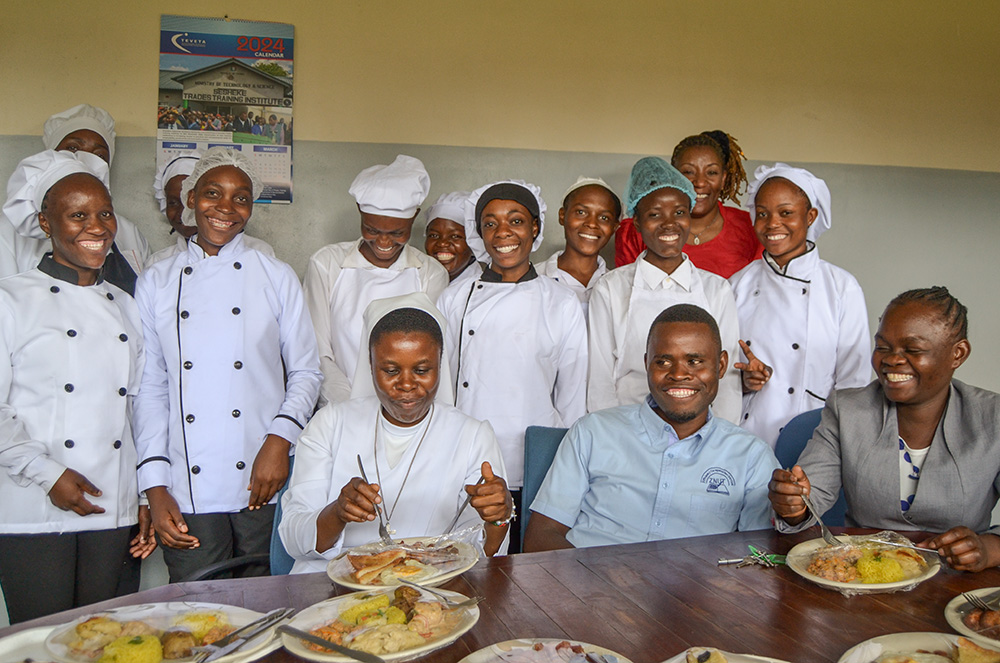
650,174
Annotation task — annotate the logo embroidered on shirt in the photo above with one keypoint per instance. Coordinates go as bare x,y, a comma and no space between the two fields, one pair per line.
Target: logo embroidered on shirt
717,478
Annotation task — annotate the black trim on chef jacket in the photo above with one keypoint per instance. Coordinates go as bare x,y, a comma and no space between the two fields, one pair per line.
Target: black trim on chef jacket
47,265
117,270
180,383
291,419
152,458
783,272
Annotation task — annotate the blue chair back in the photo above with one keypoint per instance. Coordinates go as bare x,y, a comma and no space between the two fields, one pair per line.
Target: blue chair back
791,441
540,444
281,561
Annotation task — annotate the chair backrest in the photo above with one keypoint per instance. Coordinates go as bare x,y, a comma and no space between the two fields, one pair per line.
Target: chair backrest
281,561
540,444
791,441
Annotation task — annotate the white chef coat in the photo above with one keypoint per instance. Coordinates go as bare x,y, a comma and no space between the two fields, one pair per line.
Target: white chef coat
230,358
519,355
472,272
624,304
551,269
339,285
180,246
810,325
449,458
72,359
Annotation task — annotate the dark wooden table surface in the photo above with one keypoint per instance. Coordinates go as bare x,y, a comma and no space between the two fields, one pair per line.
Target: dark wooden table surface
647,601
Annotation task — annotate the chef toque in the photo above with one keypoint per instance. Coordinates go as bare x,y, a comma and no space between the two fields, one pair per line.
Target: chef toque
651,174
33,178
183,164
397,190
815,189
214,158
519,191
79,117
590,181
449,206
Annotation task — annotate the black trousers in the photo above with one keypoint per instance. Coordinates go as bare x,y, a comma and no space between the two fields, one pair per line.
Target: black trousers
223,536
45,573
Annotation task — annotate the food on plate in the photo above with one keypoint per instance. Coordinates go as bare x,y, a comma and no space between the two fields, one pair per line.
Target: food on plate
412,562
866,563
384,625
91,636
133,649
206,626
969,652
966,652
178,644
547,652
701,655
984,622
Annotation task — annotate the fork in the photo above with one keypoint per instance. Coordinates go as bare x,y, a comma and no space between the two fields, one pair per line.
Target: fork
975,601
824,530
468,603
382,531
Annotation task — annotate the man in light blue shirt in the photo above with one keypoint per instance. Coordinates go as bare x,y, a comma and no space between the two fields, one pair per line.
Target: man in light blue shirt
662,469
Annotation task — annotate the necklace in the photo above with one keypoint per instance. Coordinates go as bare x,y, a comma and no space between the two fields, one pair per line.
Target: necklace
378,475
697,236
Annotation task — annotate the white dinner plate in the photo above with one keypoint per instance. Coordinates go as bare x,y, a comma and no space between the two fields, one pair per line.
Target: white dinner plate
327,611
161,615
27,645
798,560
492,653
953,616
342,573
732,658
902,643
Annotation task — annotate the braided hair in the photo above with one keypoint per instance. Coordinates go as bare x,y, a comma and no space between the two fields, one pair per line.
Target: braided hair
728,150
952,312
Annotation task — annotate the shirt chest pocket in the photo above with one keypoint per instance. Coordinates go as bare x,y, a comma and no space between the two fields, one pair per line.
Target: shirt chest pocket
713,514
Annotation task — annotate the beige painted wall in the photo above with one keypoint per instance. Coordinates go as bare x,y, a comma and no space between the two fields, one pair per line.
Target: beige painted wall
886,82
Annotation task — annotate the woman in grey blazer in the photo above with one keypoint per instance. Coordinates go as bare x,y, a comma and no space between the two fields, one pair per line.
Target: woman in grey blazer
913,450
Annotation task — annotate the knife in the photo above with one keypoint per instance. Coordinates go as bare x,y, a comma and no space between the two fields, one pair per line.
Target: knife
364,657
241,636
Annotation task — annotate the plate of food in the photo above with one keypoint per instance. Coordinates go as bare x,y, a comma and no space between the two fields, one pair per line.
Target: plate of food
395,623
983,626
25,646
712,655
862,564
544,650
919,648
149,632
428,561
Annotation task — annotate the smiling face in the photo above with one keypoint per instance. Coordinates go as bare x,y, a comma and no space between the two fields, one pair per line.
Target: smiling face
508,231
684,364
782,216
663,218
175,208
85,140
446,242
405,368
590,218
77,212
916,354
222,201
706,170
383,237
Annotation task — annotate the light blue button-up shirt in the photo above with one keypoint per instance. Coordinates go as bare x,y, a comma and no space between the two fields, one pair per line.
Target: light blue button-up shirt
621,475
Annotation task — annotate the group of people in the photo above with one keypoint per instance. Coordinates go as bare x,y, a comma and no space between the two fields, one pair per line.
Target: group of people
173,398
273,127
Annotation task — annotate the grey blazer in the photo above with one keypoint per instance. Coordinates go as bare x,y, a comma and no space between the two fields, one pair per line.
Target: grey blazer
856,445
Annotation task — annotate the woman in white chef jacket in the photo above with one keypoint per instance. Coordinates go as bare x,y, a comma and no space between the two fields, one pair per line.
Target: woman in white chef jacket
231,377
72,349
342,279
804,322
424,457
517,341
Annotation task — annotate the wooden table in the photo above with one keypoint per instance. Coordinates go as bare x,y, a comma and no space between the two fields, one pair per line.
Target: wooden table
648,601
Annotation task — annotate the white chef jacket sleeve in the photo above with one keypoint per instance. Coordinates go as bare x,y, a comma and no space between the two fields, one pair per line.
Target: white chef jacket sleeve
482,446
452,304
151,407
756,511
854,367
566,484
729,401
601,392
309,490
298,351
433,279
570,393
321,275
25,460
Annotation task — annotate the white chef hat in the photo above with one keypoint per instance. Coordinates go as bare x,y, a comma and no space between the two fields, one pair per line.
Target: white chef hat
182,164
583,181
529,195
378,309
79,117
815,189
214,158
33,178
449,206
397,190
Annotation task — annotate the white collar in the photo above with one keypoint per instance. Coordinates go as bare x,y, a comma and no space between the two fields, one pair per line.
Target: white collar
655,278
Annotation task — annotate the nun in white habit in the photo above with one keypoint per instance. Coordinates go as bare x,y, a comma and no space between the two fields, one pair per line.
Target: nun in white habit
342,279
804,321
418,450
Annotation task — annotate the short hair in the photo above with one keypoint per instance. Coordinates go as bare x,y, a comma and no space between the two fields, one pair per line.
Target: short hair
408,321
950,310
687,313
